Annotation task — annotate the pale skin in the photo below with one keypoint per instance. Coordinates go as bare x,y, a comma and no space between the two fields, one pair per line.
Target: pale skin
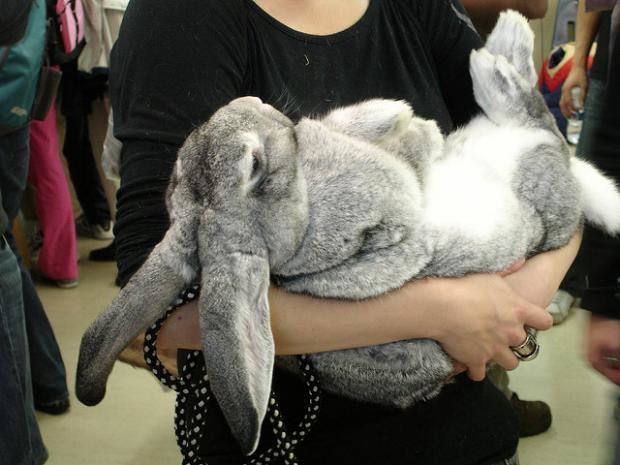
484,13
603,344
586,28
476,318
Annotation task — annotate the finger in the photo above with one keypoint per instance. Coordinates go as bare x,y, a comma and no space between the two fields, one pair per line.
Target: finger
566,105
507,359
610,373
477,372
512,268
536,317
584,92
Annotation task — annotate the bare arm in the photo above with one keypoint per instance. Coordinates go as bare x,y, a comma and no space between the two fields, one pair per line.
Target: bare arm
484,13
475,318
586,29
304,324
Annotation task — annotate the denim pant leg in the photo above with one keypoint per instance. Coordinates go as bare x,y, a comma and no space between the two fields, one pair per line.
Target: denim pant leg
595,103
48,370
20,438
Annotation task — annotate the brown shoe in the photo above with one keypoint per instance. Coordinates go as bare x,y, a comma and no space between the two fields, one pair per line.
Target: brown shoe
534,416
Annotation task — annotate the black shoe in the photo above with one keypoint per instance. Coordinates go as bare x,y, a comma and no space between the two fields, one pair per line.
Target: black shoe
534,416
58,407
104,254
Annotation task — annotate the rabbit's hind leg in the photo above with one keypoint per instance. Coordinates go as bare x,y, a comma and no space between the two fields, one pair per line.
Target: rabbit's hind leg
499,89
373,120
513,38
419,146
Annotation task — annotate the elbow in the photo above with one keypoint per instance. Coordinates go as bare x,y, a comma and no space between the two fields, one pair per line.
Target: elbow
534,9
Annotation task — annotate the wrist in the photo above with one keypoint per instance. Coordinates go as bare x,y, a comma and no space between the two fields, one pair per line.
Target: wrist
432,316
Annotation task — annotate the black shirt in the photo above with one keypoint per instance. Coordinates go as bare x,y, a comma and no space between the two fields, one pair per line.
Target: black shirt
176,62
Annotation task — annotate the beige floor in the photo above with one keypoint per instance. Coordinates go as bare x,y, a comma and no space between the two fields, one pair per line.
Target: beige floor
133,425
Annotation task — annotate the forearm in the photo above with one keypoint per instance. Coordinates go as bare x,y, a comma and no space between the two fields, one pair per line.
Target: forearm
484,13
304,324
538,280
586,28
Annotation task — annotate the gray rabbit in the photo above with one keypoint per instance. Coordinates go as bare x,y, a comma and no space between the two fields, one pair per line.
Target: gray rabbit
351,206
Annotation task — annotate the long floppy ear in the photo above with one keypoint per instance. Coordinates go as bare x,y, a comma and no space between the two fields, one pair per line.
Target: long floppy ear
237,341
145,298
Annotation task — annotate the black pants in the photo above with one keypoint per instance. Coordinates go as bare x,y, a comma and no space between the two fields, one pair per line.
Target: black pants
79,90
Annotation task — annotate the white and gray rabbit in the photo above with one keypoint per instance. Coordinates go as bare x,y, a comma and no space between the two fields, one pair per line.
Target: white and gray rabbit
351,206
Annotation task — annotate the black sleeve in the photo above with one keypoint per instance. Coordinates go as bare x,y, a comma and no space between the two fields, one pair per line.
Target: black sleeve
452,37
174,64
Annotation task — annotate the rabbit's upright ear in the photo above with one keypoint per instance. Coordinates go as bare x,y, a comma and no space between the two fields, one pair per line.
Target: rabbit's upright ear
237,341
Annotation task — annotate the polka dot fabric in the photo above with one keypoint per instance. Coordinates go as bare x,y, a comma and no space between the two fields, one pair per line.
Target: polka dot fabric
189,426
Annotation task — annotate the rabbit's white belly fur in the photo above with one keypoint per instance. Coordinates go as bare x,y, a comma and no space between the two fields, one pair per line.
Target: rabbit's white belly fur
469,193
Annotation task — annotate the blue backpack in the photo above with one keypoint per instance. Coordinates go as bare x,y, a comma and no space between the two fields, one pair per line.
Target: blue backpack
20,67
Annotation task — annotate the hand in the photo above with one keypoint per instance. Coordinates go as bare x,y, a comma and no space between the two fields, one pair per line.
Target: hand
482,318
603,344
576,78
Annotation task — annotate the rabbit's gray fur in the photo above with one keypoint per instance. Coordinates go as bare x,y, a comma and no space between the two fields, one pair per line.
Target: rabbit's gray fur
350,206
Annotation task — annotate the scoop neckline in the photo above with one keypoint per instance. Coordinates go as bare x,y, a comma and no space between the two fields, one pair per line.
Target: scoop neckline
327,39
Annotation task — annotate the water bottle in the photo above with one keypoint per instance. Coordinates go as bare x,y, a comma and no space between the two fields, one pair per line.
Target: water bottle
573,128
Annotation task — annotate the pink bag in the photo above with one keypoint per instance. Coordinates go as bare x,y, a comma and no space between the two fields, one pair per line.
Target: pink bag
65,30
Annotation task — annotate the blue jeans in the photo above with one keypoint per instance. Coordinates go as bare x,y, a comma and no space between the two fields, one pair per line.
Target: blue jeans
20,439
49,378
595,103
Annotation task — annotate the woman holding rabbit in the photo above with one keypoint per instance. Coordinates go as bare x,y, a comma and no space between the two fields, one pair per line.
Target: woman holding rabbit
176,63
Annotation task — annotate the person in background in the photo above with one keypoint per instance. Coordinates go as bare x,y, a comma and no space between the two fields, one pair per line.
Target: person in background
592,101
103,20
79,90
20,438
601,295
57,256
316,55
46,367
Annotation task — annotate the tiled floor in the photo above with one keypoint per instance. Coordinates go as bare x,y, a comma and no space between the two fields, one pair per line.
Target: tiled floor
133,425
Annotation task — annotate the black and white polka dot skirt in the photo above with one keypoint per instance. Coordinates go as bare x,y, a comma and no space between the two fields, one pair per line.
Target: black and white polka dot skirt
194,393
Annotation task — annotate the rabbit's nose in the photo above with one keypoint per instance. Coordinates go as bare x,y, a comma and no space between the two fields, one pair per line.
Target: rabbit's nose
248,100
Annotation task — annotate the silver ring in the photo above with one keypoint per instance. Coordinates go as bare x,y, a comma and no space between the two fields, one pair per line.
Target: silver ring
528,349
613,361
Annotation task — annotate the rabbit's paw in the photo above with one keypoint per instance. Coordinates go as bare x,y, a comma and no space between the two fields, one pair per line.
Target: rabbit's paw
513,38
428,136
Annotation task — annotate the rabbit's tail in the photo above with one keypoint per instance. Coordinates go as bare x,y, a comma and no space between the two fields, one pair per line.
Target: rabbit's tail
599,196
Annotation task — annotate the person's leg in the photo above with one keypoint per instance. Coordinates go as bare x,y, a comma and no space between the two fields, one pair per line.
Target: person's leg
47,367
58,255
534,415
573,281
593,109
77,149
20,438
